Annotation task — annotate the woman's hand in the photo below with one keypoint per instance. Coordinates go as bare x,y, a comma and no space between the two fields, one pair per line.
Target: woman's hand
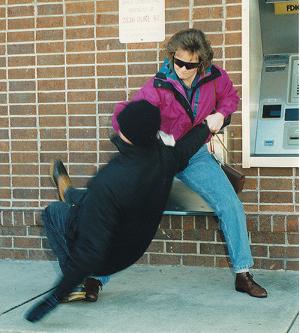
215,122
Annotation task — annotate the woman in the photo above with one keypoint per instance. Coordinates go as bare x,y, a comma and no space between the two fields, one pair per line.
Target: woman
189,89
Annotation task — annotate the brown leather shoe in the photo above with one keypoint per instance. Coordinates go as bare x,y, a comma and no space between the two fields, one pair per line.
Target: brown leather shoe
244,283
60,177
92,287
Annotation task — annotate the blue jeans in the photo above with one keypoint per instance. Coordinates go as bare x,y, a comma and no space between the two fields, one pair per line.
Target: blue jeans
205,177
57,225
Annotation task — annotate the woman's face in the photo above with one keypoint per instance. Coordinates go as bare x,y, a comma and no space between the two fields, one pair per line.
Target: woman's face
186,56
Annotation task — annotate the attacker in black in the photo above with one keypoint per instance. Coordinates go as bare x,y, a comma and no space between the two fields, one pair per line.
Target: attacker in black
117,218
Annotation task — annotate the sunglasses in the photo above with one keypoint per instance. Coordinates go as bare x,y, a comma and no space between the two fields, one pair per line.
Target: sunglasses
187,65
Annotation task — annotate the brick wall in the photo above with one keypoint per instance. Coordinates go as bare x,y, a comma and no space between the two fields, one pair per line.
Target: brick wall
62,71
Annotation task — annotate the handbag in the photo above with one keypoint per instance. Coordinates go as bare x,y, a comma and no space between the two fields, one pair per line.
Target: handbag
236,178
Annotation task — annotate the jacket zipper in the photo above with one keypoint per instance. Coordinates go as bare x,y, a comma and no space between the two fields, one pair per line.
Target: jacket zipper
159,82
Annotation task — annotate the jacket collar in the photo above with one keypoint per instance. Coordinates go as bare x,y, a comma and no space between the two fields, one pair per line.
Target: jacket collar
128,149
167,72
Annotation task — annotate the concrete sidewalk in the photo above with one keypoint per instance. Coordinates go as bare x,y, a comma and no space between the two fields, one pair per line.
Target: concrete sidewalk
164,299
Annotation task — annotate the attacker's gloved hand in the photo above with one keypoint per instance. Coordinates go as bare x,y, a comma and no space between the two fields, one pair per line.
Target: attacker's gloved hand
38,311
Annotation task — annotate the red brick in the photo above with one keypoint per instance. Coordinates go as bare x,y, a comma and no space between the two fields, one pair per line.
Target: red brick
165,222
276,208
80,71
270,264
277,251
292,252
21,242
50,47
233,24
18,11
292,265
78,133
252,223
181,247
107,5
207,13
157,259
223,262
168,234
80,20
208,26
53,9
51,72
49,22
24,36
279,223
79,33
177,15
292,223
276,172
82,96
176,222
234,11
51,97
21,73
107,32
156,246
83,146
79,7
24,157
48,109
49,35
83,157
25,193
23,145
25,182
41,255
265,223
204,2
112,70
81,109
267,238
275,197
259,251
216,249
110,44
13,254
204,235
192,260
5,242
276,184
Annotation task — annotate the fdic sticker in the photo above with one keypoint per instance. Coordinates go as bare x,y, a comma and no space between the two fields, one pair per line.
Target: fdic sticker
282,8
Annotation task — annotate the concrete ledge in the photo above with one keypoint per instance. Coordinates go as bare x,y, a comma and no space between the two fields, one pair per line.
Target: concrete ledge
184,201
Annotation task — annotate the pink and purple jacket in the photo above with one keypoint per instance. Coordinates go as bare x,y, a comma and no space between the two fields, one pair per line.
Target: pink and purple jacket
214,92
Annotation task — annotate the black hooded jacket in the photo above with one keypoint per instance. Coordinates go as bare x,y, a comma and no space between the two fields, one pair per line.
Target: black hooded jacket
117,219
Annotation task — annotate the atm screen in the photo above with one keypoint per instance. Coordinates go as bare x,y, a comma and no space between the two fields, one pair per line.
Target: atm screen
291,114
271,111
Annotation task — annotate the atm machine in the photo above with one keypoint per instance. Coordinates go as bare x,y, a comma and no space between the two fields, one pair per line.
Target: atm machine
277,131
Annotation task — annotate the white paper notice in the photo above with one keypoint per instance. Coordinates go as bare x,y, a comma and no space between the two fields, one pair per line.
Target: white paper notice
141,21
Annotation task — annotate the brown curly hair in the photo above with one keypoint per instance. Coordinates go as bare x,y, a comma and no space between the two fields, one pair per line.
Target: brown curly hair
194,41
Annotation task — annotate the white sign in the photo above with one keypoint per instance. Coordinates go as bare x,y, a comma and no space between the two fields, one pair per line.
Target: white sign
141,21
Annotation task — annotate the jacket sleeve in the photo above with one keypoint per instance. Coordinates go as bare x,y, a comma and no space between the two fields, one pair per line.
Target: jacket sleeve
94,241
147,92
189,144
227,99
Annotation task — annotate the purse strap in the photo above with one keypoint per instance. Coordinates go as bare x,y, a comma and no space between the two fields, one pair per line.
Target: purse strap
212,148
